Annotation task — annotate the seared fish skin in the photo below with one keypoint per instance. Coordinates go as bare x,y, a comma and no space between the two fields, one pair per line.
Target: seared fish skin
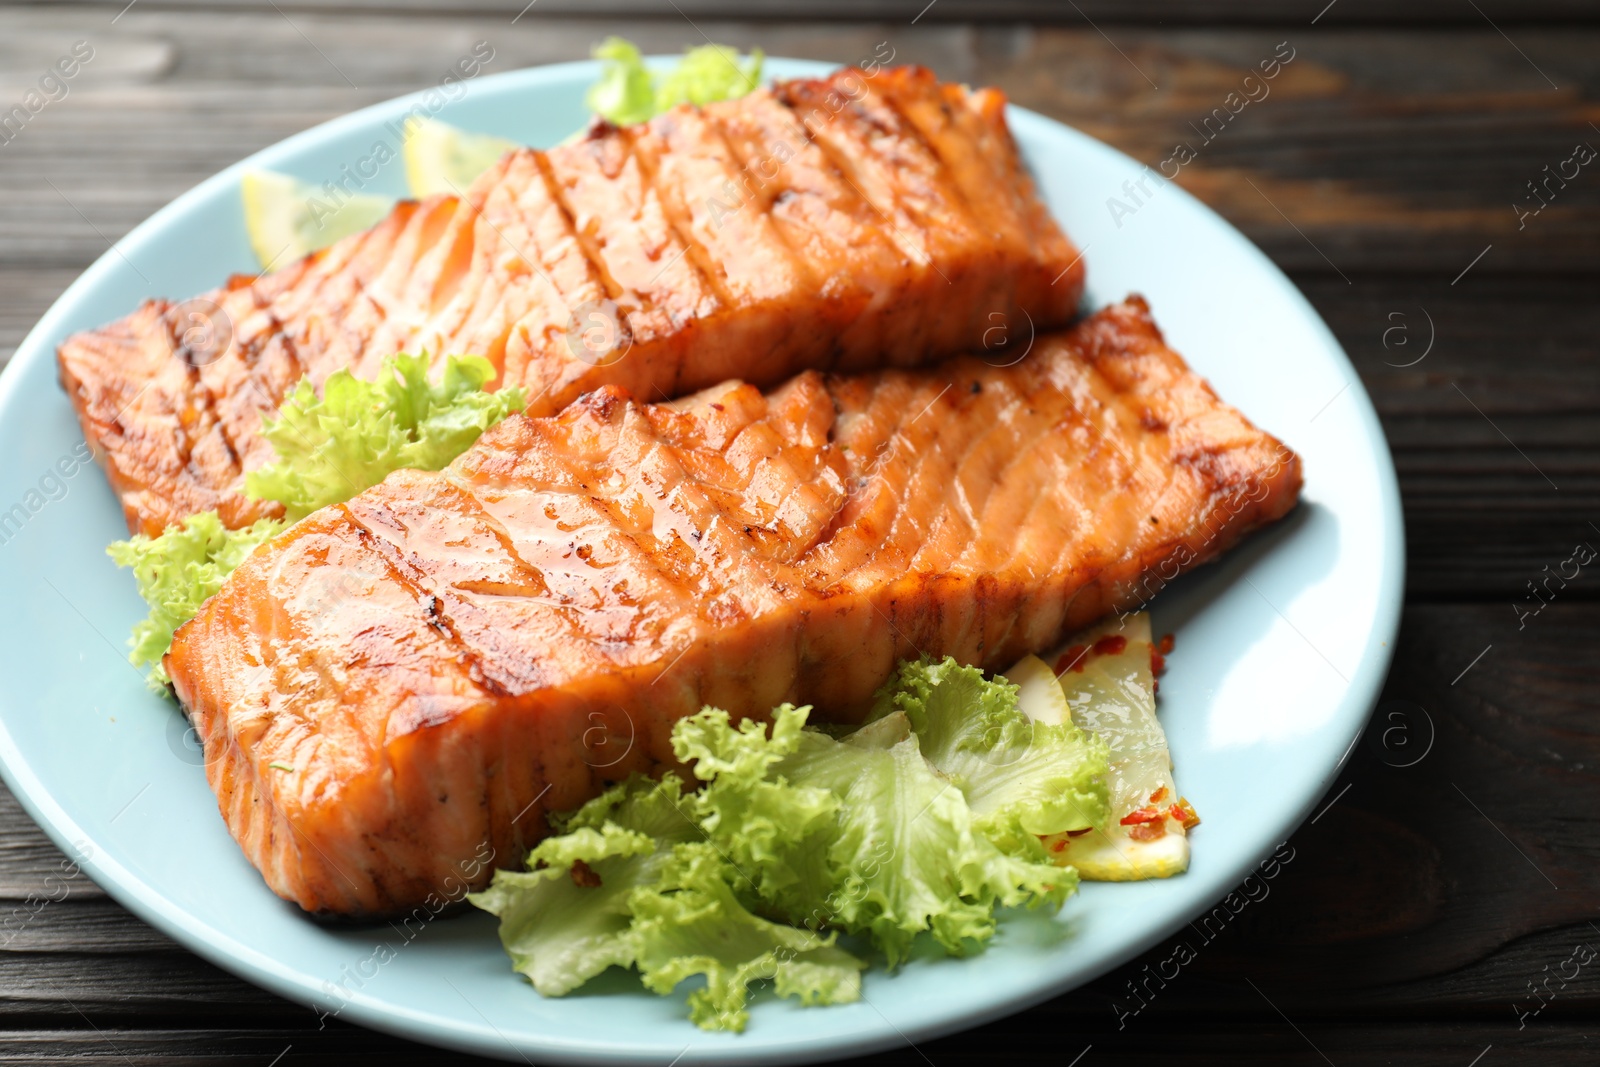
412,679
846,223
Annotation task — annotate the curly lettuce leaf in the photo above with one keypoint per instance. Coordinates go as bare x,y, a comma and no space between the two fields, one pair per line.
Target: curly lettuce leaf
177,572
871,837
1022,778
630,884
691,923
659,809
917,823
562,929
707,74
333,446
762,825
625,92
905,855
628,92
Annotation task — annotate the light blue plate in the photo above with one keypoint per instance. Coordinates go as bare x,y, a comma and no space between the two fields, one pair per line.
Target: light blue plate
1280,650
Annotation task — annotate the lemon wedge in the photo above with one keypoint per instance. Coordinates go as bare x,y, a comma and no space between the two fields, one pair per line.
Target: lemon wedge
1041,697
1110,856
287,218
1106,685
441,158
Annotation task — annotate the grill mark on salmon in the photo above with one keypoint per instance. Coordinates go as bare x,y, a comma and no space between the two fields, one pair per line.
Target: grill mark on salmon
889,162
829,226
551,275
660,291
879,220
957,124
436,658
743,260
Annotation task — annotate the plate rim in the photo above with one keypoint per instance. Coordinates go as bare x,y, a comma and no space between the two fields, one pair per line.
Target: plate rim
218,947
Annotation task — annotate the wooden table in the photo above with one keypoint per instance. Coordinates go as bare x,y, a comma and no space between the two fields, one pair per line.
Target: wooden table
1446,891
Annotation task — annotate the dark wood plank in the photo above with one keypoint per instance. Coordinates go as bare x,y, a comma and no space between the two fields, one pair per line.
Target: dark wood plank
170,1041
1110,12
1361,158
169,98
1510,355
1354,158
25,295
1266,1038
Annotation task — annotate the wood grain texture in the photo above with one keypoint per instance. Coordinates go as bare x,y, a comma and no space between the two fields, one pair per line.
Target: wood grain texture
1154,12
1371,152
1423,903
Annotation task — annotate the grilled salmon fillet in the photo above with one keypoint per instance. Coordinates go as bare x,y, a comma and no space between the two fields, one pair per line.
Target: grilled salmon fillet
844,224
402,683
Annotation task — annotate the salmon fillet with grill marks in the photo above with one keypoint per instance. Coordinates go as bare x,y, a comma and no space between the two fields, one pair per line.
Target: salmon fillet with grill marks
447,657
842,224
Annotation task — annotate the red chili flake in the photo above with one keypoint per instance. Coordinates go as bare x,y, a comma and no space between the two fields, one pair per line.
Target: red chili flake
584,875
1110,645
1158,662
1166,645
1150,831
1072,660
1151,814
1184,812
1159,795
1058,845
